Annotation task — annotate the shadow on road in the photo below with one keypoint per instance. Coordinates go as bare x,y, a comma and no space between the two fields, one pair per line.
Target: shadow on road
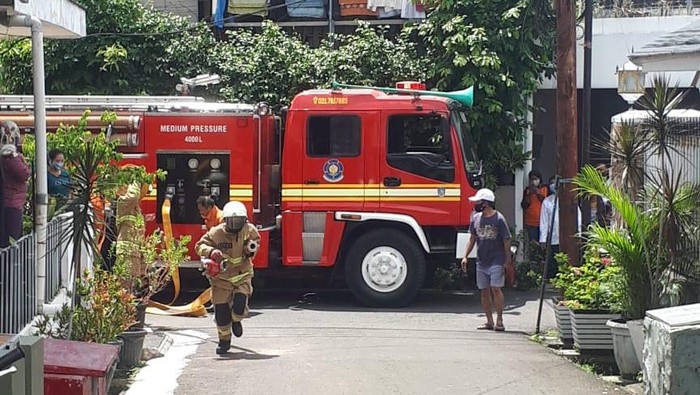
246,354
457,302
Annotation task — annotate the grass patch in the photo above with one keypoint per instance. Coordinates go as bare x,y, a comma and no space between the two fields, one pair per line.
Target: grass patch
600,364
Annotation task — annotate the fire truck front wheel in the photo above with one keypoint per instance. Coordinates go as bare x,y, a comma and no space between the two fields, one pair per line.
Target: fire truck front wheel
385,268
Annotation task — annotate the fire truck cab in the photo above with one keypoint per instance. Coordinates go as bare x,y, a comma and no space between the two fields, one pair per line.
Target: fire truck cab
363,182
377,183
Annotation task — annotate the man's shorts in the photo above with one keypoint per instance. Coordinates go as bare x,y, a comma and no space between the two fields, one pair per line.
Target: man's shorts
490,276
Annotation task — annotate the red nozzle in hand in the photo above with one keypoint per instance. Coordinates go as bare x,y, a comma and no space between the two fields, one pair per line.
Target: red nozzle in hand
216,255
212,267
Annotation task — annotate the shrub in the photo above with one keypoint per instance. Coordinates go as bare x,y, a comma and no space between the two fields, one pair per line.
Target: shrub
595,285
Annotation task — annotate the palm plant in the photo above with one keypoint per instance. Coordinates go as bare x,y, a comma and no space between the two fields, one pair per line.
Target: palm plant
631,246
626,146
656,238
92,163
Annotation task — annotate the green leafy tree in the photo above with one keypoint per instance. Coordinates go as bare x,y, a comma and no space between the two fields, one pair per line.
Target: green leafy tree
273,66
501,47
129,49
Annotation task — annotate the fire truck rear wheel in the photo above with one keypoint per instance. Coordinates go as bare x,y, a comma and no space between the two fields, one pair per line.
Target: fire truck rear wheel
385,268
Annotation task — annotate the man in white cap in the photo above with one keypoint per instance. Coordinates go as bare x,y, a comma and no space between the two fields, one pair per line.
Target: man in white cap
490,232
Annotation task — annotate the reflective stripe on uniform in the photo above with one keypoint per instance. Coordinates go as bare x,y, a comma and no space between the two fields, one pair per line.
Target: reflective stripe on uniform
237,279
234,261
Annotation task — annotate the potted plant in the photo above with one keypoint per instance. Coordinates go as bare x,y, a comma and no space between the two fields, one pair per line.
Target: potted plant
106,308
591,292
562,313
160,257
641,247
655,233
656,227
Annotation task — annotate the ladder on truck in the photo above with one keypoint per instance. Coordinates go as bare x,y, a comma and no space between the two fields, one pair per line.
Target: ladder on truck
141,103
77,101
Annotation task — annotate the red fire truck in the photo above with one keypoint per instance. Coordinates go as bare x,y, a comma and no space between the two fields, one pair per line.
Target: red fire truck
369,181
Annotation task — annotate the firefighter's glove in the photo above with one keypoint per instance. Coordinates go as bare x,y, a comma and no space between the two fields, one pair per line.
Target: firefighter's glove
216,255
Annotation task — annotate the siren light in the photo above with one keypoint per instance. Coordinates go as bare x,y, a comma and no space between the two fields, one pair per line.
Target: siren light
464,96
413,85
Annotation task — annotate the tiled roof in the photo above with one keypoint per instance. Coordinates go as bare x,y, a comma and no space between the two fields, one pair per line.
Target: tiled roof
682,41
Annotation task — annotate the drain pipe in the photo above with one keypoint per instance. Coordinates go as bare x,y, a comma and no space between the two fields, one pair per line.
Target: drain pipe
40,185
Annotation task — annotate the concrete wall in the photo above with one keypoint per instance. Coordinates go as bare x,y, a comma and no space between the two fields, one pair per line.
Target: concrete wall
614,39
671,358
506,199
186,8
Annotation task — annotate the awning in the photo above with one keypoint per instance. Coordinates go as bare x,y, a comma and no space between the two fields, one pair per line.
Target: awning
675,51
59,18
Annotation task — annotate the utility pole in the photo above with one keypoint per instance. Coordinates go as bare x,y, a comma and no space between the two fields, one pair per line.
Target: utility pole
567,140
586,135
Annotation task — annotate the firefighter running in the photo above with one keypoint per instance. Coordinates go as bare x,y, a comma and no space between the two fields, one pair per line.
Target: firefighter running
227,250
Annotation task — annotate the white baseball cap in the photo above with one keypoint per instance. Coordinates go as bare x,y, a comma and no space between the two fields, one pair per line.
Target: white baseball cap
483,194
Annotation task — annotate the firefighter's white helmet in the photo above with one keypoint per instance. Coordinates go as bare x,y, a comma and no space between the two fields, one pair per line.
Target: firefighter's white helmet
235,209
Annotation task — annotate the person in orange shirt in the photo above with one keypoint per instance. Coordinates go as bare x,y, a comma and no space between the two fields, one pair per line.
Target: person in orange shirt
533,196
211,214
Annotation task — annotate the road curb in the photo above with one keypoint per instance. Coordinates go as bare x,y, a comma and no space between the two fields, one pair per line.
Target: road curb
156,344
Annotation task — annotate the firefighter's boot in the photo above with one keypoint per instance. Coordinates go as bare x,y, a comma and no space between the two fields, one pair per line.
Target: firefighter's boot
222,315
224,346
237,329
238,312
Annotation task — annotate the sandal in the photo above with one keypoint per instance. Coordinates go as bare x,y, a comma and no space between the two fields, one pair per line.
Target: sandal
499,328
485,327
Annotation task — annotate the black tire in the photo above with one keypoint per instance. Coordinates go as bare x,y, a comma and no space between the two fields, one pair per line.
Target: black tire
409,250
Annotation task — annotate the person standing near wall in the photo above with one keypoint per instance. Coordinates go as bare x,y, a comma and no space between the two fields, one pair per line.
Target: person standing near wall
15,174
533,196
546,223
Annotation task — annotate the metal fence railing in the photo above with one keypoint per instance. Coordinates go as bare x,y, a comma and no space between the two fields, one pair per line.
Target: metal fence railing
18,275
644,8
57,254
17,285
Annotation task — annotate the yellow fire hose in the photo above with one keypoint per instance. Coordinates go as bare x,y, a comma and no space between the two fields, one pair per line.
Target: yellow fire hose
196,307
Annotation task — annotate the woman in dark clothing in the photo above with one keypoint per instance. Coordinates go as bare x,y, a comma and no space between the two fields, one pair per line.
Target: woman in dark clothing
15,174
58,181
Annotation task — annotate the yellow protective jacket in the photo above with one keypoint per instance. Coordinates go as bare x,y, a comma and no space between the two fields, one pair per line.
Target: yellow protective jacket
128,205
239,266
129,235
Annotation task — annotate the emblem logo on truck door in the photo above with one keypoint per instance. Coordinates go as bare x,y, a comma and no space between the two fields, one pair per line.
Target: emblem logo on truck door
333,170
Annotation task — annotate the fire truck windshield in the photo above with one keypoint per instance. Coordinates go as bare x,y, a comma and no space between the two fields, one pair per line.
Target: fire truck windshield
461,125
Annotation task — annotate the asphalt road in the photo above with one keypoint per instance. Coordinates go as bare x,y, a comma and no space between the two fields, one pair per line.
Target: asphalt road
326,344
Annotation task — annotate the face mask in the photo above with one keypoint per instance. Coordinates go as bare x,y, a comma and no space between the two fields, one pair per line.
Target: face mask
57,165
479,207
234,224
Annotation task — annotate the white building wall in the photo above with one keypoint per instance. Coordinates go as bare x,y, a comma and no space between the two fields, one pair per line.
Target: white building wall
614,39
